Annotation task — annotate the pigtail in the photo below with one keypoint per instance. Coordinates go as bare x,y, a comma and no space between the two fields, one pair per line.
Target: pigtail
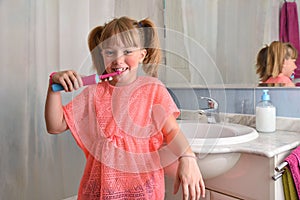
151,43
275,60
261,63
93,42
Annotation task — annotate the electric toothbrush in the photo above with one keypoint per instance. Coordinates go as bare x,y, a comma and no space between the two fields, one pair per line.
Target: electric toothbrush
89,80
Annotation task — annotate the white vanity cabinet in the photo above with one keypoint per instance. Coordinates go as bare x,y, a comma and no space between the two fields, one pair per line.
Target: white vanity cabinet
250,178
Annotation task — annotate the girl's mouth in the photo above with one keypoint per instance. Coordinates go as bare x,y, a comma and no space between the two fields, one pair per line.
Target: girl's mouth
119,69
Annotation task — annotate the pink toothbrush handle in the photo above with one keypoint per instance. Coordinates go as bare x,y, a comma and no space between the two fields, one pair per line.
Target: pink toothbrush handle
93,79
90,80
104,76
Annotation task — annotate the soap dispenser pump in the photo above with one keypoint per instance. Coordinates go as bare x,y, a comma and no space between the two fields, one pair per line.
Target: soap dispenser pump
265,114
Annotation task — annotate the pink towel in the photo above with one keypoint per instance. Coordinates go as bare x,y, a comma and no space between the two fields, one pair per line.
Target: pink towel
289,29
294,164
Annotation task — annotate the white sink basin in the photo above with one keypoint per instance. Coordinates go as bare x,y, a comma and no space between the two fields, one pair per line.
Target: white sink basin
212,144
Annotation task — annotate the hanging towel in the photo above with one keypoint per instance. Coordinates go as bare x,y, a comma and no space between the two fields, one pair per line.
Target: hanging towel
289,29
288,185
294,165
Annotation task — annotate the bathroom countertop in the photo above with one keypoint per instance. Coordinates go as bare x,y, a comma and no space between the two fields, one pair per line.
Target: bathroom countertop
266,144
285,138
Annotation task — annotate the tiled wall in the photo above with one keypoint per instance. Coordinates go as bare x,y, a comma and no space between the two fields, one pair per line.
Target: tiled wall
241,100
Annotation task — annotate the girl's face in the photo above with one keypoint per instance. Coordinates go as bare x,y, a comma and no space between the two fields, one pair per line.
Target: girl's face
289,67
124,59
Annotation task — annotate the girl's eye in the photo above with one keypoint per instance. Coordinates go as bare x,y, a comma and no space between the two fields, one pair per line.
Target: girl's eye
108,53
127,52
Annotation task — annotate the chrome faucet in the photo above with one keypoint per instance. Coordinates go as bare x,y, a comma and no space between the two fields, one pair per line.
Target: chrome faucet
212,110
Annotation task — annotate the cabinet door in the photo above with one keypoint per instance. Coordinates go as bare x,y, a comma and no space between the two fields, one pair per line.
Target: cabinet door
219,196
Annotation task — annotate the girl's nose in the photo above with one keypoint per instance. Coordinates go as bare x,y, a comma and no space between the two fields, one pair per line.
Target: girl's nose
294,64
119,58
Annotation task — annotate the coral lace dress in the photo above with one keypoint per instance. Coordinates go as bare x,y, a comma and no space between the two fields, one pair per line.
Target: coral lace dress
119,130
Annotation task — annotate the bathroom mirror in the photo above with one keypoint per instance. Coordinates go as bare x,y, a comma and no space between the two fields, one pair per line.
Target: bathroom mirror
213,42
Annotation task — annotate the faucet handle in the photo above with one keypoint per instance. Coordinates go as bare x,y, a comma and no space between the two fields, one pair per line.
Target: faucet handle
212,103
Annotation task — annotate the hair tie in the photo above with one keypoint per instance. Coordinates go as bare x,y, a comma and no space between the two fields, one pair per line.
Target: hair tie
140,24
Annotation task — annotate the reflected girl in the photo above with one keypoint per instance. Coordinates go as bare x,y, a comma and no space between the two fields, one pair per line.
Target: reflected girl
276,63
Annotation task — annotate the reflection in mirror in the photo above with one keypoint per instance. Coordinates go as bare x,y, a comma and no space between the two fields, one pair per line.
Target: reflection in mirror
228,41
276,64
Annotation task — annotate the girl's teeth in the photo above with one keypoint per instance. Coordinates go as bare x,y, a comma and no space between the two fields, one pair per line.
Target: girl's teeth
120,69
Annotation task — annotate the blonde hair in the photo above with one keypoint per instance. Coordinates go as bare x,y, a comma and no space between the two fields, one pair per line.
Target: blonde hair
291,51
130,32
277,52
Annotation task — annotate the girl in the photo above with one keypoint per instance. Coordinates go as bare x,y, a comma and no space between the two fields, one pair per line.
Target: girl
279,65
126,127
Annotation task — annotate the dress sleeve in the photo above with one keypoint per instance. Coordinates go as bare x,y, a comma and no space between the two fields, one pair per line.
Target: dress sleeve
163,106
76,113
169,103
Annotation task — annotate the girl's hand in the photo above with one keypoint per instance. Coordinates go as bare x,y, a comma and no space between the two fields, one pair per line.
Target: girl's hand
69,79
189,176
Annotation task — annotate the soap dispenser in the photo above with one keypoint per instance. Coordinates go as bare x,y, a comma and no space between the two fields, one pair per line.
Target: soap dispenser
265,114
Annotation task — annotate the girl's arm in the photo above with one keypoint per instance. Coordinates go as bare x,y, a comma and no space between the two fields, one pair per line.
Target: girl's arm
188,173
54,116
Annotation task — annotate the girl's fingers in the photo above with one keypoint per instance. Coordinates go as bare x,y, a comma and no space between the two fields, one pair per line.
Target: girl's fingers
202,188
69,84
78,79
75,82
176,185
192,192
185,191
70,80
198,191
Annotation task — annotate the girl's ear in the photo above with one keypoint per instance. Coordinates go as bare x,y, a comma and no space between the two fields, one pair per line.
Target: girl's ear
142,55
